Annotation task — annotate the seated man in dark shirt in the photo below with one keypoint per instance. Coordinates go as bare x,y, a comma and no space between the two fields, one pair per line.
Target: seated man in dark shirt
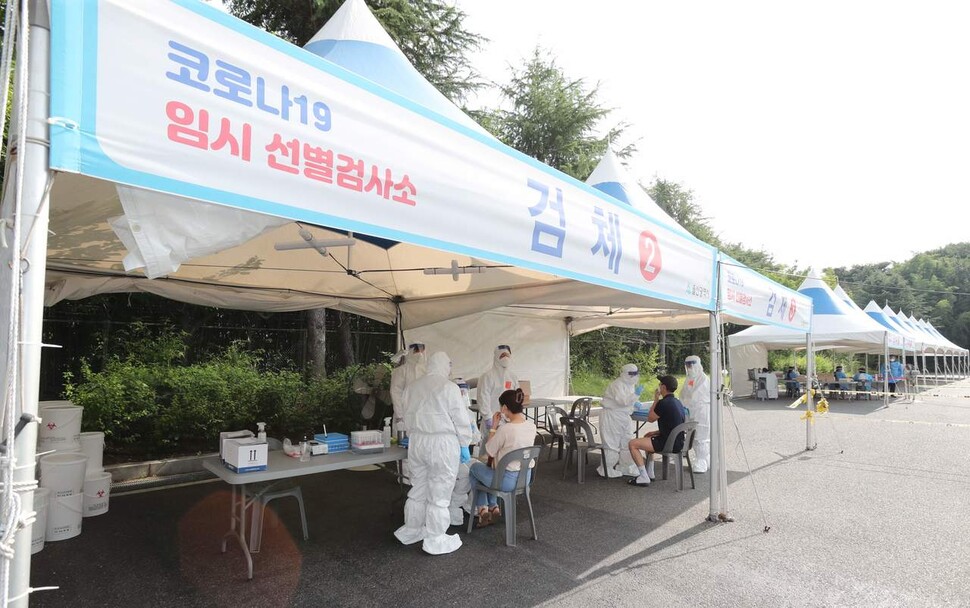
667,412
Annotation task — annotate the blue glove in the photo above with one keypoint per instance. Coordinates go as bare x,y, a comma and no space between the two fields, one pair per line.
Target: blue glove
638,390
465,454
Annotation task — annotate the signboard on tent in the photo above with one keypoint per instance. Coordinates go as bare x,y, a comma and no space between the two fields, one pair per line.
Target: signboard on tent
751,296
181,98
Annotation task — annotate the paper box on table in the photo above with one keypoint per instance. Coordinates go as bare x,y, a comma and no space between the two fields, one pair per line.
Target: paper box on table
526,387
246,455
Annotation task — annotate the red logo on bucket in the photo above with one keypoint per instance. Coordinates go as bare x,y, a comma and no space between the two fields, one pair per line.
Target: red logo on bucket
51,426
100,493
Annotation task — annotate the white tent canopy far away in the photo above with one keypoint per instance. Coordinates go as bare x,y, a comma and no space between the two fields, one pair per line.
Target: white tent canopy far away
836,324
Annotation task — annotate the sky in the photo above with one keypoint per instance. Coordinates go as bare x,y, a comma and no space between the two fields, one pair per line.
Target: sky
826,133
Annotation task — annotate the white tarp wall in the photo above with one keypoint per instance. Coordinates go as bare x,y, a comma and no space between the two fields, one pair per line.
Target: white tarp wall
540,347
744,358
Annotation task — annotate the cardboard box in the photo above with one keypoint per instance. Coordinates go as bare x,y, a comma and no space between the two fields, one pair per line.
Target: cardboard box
226,436
246,455
526,387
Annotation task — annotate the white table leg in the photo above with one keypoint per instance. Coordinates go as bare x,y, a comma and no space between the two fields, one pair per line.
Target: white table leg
239,519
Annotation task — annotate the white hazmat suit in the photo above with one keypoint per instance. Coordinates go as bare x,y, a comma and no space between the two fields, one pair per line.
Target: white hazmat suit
616,426
696,397
438,425
413,368
498,379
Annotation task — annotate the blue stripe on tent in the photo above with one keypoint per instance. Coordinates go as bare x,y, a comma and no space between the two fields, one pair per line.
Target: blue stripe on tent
614,189
824,302
388,68
881,319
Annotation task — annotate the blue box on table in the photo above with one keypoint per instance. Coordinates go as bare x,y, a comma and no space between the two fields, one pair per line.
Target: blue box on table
335,442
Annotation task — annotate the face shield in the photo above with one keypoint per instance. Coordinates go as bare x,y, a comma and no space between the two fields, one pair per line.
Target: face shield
416,355
503,356
629,374
693,368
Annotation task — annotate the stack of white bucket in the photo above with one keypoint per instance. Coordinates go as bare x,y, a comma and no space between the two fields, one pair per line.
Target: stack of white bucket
73,483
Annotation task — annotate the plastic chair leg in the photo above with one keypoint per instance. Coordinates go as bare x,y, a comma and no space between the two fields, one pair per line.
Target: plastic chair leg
680,472
256,526
690,467
508,501
471,517
665,463
581,465
299,499
532,516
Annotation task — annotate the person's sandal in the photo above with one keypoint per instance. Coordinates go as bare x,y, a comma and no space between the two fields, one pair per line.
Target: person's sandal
484,518
495,514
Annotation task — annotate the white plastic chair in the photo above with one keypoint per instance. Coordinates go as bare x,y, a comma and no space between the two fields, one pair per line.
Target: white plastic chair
263,496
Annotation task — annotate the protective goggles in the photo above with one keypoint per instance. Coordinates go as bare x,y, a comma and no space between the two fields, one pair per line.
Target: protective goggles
417,347
633,374
689,363
504,347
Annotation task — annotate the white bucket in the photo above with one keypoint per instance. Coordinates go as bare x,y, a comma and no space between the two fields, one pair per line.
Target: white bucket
92,446
63,473
64,517
39,528
97,491
60,428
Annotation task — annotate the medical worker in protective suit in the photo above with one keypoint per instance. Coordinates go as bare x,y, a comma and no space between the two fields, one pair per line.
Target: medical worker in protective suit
439,432
414,367
616,426
493,383
696,397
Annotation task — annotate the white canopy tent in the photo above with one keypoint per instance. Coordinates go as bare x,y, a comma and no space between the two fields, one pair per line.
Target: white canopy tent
159,108
836,324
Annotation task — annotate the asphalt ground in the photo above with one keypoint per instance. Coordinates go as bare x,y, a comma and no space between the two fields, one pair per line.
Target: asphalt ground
877,515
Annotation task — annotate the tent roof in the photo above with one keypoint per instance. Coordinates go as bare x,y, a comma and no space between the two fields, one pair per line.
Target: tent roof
835,324
610,177
875,313
355,40
103,231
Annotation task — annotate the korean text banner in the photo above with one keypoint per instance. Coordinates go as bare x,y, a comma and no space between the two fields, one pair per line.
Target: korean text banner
181,98
749,295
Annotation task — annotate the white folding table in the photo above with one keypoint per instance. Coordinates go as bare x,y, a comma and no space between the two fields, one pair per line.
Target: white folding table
280,466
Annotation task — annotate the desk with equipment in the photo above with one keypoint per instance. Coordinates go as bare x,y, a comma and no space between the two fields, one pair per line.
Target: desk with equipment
280,466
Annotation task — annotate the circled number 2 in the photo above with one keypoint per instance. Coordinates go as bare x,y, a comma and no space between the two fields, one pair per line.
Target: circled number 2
650,260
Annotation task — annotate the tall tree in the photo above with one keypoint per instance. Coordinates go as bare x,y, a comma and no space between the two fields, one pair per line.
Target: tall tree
679,204
430,33
552,117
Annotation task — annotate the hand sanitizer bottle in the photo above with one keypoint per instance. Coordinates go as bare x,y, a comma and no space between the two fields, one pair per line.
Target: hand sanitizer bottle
261,431
305,450
386,433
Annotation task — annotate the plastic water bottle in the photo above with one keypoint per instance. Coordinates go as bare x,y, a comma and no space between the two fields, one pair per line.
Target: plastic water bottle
305,450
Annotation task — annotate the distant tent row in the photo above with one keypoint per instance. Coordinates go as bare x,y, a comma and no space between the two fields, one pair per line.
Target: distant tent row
839,324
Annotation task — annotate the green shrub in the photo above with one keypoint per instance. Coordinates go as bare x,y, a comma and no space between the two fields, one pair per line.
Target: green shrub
160,407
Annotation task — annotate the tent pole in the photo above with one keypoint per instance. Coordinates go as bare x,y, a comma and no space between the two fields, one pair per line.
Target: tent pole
886,369
32,225
569,357
810,443
718,471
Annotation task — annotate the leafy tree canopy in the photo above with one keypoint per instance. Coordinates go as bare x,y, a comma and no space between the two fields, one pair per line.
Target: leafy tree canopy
552,117
933,285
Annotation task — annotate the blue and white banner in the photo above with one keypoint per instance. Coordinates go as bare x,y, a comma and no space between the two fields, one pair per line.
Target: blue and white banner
749,295
177,97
